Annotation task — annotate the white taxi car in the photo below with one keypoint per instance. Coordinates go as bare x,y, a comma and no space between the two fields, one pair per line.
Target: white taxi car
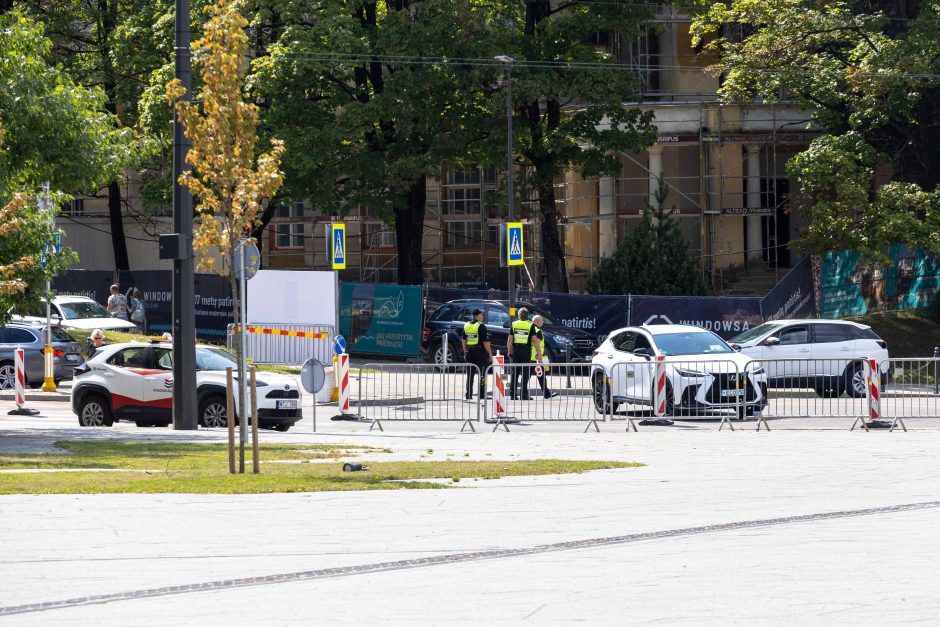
704,375
134,382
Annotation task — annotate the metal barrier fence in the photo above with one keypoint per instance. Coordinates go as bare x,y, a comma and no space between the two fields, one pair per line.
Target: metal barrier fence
816,388
722,390
280,349
913,388
395,392
561,393
688,389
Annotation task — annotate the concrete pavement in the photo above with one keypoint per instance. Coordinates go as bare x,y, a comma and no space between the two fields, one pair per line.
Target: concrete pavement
718,528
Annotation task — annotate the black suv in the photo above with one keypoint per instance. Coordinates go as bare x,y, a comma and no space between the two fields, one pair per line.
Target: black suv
561,343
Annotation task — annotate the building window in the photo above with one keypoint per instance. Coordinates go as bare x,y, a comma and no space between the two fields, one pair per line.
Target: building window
379,235
464,194
290,228
74,207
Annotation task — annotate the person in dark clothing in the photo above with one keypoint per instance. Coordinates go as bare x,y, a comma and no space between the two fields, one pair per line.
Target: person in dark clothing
519,348
538,356
476,347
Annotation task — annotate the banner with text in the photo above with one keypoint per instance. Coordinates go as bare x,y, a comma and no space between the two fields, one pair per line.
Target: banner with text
792,297
380,319
725,316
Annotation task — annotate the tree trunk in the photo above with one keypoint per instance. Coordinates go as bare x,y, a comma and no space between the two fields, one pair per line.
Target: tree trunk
409,232
257,231
109,16
553,252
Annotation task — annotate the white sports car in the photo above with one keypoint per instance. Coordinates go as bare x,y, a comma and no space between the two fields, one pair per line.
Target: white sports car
704,375
134,382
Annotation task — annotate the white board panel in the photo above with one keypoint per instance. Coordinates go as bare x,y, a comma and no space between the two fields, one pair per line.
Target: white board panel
292,297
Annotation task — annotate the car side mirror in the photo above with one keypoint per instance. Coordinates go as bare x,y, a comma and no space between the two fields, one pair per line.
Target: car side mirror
507,325
772,341
736,348
643,352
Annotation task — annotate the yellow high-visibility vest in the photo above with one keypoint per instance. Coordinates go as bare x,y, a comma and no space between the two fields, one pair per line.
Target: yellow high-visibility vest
472,331
520,331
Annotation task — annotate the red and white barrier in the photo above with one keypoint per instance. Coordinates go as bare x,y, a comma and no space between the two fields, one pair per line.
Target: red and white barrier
499,387
343,397
873,381
19,362
659,386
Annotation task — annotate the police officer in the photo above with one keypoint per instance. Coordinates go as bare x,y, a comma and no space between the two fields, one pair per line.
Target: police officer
538,355
518,346
476,347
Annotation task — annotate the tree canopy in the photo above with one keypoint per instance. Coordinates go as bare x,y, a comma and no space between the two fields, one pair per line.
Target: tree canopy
869,71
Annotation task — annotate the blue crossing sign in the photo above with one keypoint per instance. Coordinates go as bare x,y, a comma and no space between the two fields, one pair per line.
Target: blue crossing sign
515,248
339,345
338,247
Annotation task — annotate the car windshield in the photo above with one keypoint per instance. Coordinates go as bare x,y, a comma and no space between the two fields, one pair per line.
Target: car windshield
691,343
756,332
83,310
214,359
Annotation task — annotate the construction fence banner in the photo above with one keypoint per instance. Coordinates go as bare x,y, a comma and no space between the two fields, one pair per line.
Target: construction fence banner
726,316
851,287
793,296
381,319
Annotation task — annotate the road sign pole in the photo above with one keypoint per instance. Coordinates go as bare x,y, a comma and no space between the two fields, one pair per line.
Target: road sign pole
242,381
48,382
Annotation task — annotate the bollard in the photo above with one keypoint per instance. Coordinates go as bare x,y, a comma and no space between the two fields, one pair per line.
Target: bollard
499,392
255,464
230,419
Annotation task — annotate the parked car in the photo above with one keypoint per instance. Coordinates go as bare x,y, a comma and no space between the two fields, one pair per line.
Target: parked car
561,343
66,355
78,312
826,355
703,373
133,381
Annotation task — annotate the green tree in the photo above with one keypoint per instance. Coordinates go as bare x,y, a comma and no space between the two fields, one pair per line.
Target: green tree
368,104
651,259
229,180
568,102
51,129
869,72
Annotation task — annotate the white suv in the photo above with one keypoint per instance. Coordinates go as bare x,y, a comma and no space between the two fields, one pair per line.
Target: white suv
134,381
703,374
826,355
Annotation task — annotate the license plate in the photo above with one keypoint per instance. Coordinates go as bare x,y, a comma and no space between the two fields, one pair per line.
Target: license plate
732,392
71,357
286,404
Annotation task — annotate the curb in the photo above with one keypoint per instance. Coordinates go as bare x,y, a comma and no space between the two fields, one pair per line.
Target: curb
37,397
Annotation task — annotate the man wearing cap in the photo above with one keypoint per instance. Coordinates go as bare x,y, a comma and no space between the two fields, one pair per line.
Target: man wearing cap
476,347
518,346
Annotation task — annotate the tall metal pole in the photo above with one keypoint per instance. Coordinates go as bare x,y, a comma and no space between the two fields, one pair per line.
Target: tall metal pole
184,290
48,383
508,62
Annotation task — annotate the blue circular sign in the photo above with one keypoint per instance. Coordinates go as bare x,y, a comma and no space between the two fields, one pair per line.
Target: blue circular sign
339,345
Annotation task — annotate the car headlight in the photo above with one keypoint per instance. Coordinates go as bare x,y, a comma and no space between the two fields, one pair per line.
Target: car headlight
260,384
758,370
684,372
561,340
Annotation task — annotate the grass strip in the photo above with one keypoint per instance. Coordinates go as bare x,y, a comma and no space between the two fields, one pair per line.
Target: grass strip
203,469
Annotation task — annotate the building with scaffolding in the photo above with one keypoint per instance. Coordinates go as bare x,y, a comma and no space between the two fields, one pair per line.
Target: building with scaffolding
724,167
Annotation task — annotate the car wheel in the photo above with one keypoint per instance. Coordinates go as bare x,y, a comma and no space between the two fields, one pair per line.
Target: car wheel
95,412
213,412
826,387
439,353
282,427
7,375
603,402
855,381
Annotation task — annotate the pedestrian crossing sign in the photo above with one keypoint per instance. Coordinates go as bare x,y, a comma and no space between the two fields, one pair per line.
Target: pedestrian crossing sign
515,247
338,247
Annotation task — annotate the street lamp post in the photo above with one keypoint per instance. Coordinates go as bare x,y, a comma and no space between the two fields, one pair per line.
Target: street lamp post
508,62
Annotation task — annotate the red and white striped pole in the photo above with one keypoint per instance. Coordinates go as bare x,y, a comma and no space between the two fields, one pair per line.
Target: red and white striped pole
20,368
872,377
343,397
659,387
19,384
499,389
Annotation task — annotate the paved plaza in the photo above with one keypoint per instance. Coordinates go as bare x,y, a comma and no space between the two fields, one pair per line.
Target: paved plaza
806,524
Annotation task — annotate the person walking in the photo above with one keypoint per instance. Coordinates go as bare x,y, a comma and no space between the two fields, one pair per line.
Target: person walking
519,349
538,356
476,347
135,303
117,303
